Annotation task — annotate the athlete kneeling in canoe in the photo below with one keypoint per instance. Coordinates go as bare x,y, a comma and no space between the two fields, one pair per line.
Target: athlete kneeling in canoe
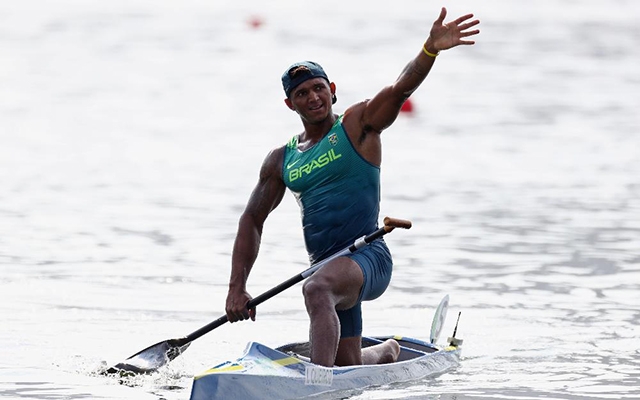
333,170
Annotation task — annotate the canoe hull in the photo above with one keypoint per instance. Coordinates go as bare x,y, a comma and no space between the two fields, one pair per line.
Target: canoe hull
266,373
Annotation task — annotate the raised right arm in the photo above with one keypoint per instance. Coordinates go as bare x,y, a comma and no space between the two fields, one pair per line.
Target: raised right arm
383,109
266,196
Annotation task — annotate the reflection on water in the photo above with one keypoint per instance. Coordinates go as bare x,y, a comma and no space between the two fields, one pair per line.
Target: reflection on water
132,135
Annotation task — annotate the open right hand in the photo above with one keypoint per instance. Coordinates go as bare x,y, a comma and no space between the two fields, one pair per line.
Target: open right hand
236,307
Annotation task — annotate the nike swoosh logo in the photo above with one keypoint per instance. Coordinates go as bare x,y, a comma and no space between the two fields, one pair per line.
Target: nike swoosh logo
292,164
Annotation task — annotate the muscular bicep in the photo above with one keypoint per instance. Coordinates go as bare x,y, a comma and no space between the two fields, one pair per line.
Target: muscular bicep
383,109
269,191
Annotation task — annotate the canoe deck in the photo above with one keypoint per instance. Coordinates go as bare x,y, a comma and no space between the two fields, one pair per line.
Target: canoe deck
409,348
285,373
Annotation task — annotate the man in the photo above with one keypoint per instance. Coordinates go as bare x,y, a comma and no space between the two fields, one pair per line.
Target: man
333,169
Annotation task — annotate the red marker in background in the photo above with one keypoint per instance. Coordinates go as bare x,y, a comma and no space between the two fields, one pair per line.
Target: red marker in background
255,21
407,106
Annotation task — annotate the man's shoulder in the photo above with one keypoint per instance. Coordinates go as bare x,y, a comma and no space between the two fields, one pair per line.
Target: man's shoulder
277,153
352,120
356,109
273,161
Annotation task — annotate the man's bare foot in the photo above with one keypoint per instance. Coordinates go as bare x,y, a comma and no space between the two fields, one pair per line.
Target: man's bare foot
383,353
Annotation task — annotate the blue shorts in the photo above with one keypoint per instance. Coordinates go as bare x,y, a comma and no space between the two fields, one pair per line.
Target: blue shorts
376,264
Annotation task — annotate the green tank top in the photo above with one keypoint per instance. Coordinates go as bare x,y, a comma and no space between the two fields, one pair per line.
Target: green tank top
338,191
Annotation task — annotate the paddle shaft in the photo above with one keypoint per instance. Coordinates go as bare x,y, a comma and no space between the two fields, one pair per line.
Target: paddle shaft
389,225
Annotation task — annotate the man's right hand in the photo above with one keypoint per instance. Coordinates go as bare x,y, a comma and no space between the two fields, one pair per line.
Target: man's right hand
236,307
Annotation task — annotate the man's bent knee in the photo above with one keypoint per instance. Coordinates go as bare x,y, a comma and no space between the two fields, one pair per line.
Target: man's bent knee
317,294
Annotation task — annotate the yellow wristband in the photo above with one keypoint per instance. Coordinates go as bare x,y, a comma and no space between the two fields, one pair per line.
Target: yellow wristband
424,48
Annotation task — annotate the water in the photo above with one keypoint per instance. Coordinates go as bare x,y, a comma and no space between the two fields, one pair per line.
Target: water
132,133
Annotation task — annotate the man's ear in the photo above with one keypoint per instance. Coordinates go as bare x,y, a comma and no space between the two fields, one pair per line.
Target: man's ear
334,98
289,104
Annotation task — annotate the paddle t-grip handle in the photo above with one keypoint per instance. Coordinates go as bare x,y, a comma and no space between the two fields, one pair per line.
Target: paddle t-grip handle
391,223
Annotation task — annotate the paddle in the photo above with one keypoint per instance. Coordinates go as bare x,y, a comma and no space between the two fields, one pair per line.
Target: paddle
159,354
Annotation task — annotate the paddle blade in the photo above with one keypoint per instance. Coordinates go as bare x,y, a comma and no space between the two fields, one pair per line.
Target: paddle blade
152,358
438,319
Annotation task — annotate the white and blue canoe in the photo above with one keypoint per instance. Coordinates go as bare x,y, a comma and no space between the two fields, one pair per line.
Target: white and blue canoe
286,373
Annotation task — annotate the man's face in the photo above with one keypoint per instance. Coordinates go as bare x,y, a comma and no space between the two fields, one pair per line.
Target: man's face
312,100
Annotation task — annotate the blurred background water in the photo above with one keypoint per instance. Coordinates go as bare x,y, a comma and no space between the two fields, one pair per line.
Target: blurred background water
131,134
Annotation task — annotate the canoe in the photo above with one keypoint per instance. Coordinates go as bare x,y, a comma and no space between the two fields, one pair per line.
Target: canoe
283,373
286,373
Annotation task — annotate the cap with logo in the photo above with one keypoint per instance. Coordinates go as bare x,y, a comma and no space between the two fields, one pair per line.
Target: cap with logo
301,72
